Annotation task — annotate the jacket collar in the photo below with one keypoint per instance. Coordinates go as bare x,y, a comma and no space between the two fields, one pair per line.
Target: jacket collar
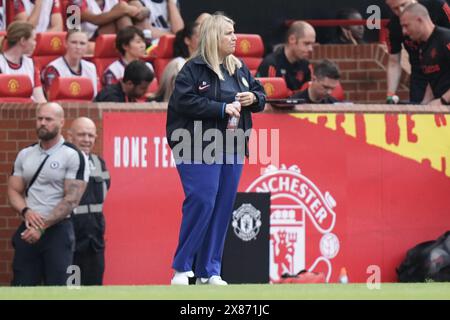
198,60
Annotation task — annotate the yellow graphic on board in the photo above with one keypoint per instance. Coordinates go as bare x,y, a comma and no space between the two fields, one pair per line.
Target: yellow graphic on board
421,137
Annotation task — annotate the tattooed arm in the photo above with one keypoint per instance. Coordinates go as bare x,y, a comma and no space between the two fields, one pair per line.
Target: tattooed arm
73,191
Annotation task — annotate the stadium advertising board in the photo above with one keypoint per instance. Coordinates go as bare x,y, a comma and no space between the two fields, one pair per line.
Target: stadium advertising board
350,191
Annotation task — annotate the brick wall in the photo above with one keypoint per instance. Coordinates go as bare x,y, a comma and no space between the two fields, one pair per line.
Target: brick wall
363,71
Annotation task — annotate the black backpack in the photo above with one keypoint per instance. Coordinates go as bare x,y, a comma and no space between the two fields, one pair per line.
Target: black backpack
427,261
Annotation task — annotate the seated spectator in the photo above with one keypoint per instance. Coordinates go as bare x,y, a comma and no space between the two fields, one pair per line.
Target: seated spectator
290,60
165,17
186,41
434,42
167,81
44,15
71,64
130,43
133,86
21,40
349,34
324,81
108,16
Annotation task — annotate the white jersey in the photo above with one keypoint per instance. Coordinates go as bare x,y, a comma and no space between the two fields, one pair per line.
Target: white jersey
45,14
159,15
60,68
26,67
93,7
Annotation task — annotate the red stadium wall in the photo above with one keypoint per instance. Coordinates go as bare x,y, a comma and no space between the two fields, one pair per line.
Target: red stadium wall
379,210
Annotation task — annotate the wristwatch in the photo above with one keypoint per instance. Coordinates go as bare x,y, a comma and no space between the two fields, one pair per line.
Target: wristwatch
445,102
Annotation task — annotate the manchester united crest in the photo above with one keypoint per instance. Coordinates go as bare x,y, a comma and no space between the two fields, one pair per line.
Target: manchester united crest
245,46
296,202
13,85
74,88
246,222
56,43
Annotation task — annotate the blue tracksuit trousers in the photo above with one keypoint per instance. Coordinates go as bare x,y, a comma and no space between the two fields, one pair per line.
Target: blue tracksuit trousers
210,192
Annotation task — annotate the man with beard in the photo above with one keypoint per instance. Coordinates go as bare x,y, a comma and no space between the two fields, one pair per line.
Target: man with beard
47,182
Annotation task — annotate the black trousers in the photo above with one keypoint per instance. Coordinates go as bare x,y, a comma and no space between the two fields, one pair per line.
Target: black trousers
417,86
92,266
46,261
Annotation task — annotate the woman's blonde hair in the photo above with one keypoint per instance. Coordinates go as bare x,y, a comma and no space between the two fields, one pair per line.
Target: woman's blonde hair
167,82
211,32
16,31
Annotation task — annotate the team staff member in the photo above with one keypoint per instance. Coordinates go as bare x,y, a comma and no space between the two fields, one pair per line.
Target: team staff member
87,218
324,81
46,184
434,52
205,90
440,12
133,86
21,40
291,60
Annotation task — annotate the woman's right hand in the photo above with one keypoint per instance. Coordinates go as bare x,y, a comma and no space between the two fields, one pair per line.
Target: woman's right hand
233,109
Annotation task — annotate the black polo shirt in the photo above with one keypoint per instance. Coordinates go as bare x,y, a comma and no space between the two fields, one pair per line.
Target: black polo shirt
305,95
112,93
435,60
440,15
276,64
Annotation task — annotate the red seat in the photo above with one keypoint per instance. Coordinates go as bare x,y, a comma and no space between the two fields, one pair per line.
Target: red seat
337,93
250,48
162,54
105,52
49,46
71,89
275,87
15,88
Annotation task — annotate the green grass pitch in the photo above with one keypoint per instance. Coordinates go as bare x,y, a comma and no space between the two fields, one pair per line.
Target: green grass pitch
236,292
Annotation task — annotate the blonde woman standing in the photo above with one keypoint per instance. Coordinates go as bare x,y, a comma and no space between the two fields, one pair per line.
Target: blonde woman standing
211,88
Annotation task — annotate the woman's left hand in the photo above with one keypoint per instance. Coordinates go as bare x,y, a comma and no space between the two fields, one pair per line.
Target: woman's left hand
246,98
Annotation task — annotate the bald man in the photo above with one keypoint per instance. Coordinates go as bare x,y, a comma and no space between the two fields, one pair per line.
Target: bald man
291,60
434,54
440,14
88,218
46,184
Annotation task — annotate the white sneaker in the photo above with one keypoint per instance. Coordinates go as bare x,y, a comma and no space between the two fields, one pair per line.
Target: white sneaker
181,278
213,280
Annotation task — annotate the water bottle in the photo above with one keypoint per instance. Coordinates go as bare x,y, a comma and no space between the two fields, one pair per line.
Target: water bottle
233,121
343,278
